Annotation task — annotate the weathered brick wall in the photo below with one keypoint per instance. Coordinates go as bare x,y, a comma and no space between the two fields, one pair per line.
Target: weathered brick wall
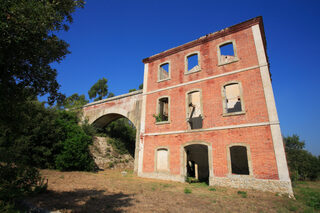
209,61
253,99
258,138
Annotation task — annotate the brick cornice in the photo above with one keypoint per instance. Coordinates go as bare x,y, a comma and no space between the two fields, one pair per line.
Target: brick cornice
210,37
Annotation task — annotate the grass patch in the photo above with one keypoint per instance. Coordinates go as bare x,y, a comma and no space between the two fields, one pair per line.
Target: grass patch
166,185
309,196
291,207
242,193
212,189
199,185
187,191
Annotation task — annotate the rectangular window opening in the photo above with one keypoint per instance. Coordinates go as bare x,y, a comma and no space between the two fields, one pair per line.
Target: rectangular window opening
239,160
193,63
227,53
227,49
233,100
163,109
194,110
164,71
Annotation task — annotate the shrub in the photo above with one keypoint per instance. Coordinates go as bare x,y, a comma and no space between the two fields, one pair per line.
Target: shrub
8,207
74,155
158,117
88,128
49,137
19,180
187,191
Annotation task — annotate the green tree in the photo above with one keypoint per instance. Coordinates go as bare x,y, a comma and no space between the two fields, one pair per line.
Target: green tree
302,164
99,89
110,95
141,86
28,46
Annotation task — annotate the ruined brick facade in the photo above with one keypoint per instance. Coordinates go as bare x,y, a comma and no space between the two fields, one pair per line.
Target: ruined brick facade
206,113
254,127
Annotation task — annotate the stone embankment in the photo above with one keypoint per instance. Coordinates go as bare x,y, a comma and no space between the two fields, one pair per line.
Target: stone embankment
105,156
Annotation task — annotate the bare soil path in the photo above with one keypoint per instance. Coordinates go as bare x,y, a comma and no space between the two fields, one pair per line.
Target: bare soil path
110,191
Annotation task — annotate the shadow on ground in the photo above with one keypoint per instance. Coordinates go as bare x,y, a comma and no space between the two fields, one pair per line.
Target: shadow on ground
83,201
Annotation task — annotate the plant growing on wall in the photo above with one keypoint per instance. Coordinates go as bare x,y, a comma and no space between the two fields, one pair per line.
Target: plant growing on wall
159,117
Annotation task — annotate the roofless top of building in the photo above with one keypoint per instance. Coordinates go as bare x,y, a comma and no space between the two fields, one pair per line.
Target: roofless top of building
210,37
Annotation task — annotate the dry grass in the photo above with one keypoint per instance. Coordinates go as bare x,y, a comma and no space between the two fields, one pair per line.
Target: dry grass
109,191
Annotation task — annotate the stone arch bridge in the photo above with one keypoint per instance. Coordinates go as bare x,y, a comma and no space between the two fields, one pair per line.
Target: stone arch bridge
100,113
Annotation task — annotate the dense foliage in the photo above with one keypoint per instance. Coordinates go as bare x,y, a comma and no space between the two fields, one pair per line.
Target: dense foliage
73,102
46,138
16,181
74,154
302,164
48,134
122,135
28,47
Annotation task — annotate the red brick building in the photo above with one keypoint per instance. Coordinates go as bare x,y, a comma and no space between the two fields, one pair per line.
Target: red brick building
208,113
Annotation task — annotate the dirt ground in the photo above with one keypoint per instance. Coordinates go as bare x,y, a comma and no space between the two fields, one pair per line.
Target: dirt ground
110,191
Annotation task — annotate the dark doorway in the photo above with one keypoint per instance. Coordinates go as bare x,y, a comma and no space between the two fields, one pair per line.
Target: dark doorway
197,166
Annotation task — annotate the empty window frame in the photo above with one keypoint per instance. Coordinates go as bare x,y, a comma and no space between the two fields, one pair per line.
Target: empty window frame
227,52
232,98
162,110
162,160
239,160
192,63
194,109
164,71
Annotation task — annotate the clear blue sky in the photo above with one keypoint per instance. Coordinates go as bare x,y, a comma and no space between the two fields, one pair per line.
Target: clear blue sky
110,38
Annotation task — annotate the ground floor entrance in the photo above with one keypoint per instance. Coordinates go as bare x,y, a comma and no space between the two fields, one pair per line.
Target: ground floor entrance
196,162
